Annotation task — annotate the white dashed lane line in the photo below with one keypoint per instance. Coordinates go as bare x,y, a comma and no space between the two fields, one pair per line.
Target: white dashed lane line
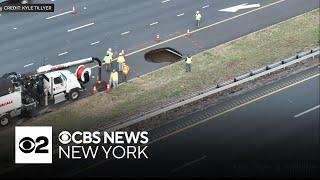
154,23
124,33
28,65
64,53
307,111
97,42
165,1
180,14
206,6
80,27
57,15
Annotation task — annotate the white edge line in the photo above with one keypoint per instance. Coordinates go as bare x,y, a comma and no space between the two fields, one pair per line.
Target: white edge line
307,111
57,15
90,24
63,53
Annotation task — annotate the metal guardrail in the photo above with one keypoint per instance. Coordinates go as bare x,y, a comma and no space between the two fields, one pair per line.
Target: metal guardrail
254,74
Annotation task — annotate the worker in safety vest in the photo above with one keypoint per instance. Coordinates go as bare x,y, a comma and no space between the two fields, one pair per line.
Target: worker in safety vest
125,71
188,63
121,60
198,18
114,79
107,59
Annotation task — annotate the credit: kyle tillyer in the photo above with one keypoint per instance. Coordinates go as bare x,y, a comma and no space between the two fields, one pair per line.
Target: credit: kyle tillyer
108,145
28,8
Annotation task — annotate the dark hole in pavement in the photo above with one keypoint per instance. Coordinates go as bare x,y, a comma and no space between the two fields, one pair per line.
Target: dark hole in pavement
163,55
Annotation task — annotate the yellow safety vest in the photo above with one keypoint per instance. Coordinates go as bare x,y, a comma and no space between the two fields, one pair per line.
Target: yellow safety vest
198,17
189,60
121,59
126,69
107,59
114,76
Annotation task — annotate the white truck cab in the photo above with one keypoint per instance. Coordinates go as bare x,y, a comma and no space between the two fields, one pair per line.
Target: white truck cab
61,84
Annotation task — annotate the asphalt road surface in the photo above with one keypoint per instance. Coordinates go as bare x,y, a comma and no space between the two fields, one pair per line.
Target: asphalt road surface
34,39
271,131
275,133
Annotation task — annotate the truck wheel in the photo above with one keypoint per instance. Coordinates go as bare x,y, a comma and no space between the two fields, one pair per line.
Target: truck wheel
74,94
4,120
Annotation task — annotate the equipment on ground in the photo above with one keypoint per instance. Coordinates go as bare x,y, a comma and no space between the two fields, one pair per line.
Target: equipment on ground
23,94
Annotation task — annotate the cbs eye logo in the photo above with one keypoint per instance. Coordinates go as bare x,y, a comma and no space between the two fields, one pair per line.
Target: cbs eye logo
33,145
65,137
28,145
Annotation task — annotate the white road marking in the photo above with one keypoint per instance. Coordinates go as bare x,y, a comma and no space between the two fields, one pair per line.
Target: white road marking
307,111
15,28
28,65
239,7
188,164
97,42
124,33
180,14
57,15
61,54
154,23
84,8
74,29
206,6
165,1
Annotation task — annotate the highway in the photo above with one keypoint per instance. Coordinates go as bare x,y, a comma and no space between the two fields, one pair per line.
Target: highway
271,131
31,40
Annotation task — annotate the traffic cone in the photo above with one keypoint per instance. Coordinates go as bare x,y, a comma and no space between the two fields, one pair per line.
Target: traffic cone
157,37
98,83
188,32
74,11
94,90
108,88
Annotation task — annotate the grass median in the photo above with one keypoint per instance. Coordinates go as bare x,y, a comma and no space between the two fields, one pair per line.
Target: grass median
172,83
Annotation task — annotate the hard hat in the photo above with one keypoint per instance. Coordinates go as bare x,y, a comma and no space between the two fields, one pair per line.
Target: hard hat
113,70
198,12
109,49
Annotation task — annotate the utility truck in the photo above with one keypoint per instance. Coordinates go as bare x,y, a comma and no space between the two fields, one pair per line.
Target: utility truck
24,94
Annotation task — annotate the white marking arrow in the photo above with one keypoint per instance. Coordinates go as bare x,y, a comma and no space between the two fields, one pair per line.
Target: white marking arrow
239,7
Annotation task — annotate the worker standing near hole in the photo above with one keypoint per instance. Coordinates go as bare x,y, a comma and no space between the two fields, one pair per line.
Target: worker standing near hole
114,78
121,60
125,72
198,18
188,63
107,59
